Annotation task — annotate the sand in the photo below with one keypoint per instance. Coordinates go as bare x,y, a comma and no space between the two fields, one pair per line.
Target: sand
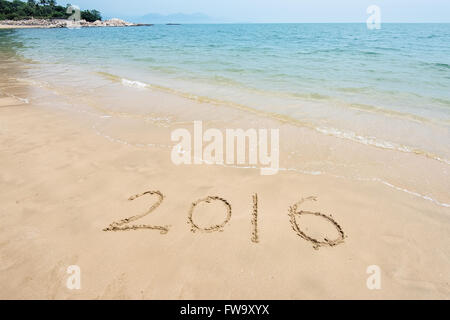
64,187
61,185
7,26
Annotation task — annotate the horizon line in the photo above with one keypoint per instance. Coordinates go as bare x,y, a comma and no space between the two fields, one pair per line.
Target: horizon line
327,22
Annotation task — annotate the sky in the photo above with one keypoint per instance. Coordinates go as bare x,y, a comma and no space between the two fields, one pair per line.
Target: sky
277,10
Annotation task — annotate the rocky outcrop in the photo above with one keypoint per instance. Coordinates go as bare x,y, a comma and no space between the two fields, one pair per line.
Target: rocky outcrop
35,23
62,23
111,23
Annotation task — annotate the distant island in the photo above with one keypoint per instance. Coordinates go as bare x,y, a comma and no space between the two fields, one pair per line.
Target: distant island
175,18
42,9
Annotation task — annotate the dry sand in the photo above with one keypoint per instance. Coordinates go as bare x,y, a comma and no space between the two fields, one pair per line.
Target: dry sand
62,184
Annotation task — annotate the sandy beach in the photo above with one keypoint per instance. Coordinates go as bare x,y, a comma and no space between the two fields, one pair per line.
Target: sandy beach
65,178
5,26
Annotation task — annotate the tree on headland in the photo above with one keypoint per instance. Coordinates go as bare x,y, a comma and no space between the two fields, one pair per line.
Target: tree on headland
91,15
40,9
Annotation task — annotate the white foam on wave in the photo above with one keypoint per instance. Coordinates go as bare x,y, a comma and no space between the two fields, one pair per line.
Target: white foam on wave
23,100
373,141
324,130
312,173
319,173
133,84
349,135
425,197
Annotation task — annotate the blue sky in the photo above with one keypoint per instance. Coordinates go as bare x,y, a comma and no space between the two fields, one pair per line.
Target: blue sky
278,10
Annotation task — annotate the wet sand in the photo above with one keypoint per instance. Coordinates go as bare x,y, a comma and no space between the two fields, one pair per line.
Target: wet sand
7,26
62,184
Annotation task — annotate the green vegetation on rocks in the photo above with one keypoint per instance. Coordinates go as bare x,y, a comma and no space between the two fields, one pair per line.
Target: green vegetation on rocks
42,9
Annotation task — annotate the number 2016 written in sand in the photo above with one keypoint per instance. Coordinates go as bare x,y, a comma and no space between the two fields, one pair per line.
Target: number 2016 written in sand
294,213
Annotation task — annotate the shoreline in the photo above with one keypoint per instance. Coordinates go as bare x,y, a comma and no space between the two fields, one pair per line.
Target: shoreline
61,23
71,166
6,26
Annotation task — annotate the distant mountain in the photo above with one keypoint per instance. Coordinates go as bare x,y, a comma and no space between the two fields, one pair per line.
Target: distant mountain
174,18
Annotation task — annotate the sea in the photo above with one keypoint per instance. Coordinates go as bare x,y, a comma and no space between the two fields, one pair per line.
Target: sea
385,89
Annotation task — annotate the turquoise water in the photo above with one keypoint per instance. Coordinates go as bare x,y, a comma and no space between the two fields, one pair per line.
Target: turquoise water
303,70
308,59
313,71
388,89
408,63
328,74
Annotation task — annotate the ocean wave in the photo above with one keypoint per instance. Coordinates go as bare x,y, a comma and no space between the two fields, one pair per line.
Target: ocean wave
147,59
301,171
383,144
348,135
282,169
397,114
425,197
370,53
133,84
319,173
320,97
23,100
353,89
440,66
442,101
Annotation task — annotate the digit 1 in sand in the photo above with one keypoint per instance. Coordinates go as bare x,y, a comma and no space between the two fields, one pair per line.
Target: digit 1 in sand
255,238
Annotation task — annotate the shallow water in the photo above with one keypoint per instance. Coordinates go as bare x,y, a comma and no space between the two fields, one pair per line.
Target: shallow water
384,93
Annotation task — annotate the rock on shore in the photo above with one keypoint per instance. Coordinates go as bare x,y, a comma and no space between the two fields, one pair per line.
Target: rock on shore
62,23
